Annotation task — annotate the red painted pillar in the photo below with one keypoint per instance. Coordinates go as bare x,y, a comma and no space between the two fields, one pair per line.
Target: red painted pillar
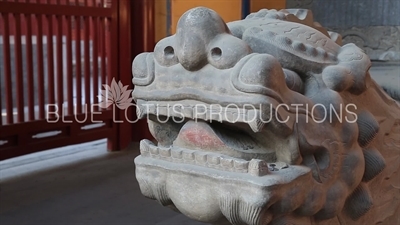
143,18
135,21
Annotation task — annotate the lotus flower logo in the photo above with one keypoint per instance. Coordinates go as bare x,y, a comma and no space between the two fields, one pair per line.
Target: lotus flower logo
116,94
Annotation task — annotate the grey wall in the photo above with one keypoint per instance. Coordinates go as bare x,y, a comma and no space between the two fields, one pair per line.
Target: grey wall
349,13
373,25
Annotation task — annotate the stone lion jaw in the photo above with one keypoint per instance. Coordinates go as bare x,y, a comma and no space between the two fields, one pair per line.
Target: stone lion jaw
255,167
184,130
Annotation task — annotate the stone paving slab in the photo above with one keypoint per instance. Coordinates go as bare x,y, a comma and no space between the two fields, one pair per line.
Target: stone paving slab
78,185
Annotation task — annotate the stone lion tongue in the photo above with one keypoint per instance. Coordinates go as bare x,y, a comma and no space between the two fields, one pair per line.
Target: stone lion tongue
198,135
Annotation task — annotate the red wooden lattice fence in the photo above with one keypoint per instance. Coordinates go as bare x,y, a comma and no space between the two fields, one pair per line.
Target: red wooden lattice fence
56,54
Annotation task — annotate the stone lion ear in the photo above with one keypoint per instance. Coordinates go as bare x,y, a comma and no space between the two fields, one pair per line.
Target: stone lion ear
236,29
262,71
225,50
337,78
357,62
293,81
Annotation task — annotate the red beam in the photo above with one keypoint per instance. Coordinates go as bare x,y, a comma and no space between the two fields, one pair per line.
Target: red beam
50,9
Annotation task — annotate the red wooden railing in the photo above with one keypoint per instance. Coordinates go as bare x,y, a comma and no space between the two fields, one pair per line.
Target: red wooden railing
57,54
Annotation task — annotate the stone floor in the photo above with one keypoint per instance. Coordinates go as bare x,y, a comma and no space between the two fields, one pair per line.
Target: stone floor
85,185
78,185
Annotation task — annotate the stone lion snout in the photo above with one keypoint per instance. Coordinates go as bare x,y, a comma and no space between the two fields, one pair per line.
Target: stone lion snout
195,30
202,38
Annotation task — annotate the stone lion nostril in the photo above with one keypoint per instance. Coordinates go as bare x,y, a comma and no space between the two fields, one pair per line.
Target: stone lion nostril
216,53
169,52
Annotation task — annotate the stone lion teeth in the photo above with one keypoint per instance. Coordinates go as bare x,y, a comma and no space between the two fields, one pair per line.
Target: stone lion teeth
256,125
227,115
165,152
188,155
276,166
176,154
207,115
240,164
233,115
216,113
213,159
281,165
258,167
177,108
162,110
140,111
176,111
150,108
200,112
201,157
227,163
188,112
154,150
144,150
144,147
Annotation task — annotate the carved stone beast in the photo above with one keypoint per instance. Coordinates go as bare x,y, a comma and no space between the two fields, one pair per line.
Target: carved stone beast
267,120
